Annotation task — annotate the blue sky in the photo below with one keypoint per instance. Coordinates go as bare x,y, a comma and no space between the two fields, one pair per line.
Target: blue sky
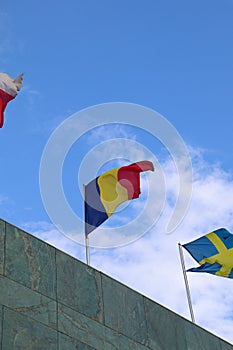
174,57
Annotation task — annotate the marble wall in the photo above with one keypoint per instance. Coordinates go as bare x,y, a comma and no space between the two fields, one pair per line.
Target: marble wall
49,300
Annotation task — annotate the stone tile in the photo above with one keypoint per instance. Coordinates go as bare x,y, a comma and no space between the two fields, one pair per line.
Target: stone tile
25,301
67,343
124,310
198,338
2,245
81,327
79,286
225,346
21,332
118,341
93,333
165,328
1,327
30,261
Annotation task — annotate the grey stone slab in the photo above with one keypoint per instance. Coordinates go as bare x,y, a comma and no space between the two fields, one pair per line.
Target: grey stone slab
79,286
68,343
2,245
225,345
118,341
30,261
1,327
198,338
25,301
93,333
81,327
124,310
165,328
21,332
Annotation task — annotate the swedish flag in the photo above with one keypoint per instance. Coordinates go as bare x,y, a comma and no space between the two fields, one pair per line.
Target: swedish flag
214,253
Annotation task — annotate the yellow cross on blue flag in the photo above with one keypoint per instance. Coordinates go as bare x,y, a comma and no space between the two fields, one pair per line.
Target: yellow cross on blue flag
213,252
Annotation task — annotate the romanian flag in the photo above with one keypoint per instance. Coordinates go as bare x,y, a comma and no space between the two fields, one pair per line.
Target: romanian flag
105,193
9,88
213,252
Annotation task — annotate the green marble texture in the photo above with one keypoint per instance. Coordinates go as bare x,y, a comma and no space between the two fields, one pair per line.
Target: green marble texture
164,327
81,327
68,343
224,345
167,330
79,286
1,308
124,310
198,339
25,301
93,333
2,246
30,261
23,333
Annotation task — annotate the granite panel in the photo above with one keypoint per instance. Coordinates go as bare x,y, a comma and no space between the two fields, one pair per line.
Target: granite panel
79,286
165,328
68,343
2,245
1,321
118,341
30,261
93,333
225,345
198,338
21,332
24,300
124,310
80,327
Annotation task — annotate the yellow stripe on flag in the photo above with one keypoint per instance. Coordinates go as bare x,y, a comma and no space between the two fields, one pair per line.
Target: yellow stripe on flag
224,256
112,194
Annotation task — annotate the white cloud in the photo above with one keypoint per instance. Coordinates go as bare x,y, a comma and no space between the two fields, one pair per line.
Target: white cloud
105,132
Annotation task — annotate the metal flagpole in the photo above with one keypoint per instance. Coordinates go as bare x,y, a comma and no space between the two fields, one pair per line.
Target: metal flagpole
86,235
87,249
186,282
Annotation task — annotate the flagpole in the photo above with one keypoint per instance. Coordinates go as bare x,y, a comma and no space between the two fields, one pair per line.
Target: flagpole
87,250
86,235
186,282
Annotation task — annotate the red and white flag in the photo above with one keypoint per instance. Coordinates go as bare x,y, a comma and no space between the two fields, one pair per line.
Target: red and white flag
9,88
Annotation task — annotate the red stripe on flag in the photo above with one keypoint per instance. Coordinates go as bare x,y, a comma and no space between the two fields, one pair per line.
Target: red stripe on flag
4,99
129,177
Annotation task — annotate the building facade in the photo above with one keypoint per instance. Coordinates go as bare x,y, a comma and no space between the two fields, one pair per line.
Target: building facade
49,300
